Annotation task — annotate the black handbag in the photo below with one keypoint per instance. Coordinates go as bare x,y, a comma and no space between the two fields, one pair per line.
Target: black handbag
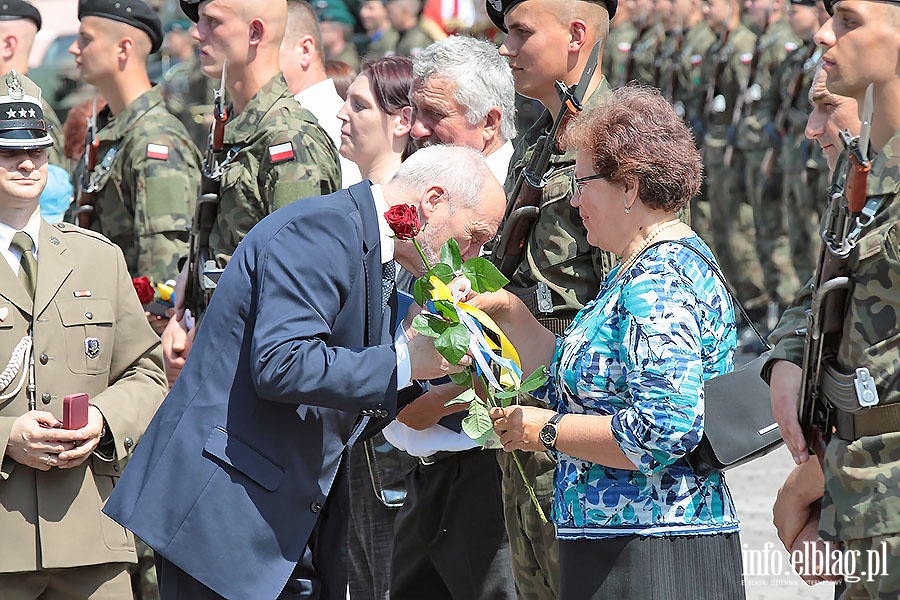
738,424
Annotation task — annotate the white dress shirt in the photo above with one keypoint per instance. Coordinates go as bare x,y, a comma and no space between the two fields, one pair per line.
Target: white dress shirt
13,256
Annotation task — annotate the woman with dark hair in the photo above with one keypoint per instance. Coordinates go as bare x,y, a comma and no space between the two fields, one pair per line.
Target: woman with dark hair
626,380
377,118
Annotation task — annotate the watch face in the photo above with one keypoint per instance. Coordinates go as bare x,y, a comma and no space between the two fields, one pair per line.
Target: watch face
548,435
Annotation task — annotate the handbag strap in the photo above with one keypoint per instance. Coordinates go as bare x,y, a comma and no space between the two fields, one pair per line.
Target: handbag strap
721,277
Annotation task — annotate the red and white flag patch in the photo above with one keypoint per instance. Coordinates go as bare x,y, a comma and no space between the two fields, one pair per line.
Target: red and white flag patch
158,151
281,152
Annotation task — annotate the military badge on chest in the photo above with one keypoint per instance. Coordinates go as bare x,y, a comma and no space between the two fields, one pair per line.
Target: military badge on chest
92,347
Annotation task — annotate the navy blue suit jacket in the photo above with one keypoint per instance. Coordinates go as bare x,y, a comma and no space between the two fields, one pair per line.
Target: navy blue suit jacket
293,356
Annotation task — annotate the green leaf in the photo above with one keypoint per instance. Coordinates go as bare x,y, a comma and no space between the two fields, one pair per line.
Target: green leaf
450,254
443,272
422,289
446,309
484,276
478,422
464,398
453,343
506,394
430,325
463,378
535,380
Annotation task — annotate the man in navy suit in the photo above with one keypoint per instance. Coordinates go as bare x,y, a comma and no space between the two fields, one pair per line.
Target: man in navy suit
239,483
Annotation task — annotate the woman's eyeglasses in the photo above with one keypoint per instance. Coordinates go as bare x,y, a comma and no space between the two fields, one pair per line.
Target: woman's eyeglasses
580,181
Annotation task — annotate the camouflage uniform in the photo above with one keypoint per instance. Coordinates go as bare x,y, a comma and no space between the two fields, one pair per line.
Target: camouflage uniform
687,90
383,45
146,177
774,48
644,53
862,478
558,254
282,155
730,213
615,55
412,41
189,96
805,181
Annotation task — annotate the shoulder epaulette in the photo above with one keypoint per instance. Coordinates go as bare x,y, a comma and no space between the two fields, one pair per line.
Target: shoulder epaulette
70,228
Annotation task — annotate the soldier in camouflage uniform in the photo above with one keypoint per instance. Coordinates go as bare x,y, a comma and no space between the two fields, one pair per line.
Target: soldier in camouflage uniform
557,255
144,182
618,45
730,212
787,107
862,462
647,48
773,49
405,19
277,153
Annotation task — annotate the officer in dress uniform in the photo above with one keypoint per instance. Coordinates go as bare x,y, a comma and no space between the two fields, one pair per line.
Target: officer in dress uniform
70,323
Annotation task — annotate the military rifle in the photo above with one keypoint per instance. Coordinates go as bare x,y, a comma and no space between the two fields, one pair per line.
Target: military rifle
740,102
777,129
643,26
832,286
671,88
203,271
718,71
523,211
83,214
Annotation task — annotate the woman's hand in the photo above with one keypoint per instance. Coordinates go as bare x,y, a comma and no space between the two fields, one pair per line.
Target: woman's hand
519,427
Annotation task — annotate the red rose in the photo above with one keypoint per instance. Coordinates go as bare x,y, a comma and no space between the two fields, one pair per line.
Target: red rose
404,220
144,290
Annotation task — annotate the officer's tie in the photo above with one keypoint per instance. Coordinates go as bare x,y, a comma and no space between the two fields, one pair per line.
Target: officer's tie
27,264
388,275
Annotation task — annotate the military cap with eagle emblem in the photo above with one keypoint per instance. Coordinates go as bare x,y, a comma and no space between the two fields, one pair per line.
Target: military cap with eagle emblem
22,124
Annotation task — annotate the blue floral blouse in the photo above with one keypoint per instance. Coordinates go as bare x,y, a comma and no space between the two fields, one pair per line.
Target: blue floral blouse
640,352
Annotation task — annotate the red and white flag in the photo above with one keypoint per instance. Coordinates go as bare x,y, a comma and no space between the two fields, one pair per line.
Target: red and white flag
281,152
158,151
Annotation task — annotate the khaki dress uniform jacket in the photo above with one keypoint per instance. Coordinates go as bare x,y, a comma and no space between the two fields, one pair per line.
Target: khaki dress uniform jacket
91,336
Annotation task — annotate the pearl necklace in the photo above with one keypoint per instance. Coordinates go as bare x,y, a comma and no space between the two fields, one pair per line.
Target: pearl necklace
628,262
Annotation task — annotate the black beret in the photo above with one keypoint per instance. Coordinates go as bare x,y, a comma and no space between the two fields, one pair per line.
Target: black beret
131,12
829,5
804,2
496,9
11,10
192,9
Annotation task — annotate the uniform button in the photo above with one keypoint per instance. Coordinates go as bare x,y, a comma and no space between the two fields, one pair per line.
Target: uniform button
44,359
128,443
88,315
315,507
46,398
116,468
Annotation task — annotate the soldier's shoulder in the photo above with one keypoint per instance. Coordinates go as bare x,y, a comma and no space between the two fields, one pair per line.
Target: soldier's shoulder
79,234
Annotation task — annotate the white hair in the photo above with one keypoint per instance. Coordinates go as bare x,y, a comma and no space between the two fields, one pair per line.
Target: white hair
482,78
459,170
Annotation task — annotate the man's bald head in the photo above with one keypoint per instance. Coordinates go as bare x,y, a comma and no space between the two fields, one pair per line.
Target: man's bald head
272,14
16,40
302,22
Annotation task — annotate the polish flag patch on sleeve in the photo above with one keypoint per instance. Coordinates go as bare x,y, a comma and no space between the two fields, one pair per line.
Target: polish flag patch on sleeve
158,151
280,153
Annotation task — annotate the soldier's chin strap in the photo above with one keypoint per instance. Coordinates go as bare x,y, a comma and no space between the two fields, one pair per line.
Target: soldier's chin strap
16,364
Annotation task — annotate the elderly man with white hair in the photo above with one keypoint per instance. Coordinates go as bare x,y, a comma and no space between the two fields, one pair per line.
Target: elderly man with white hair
463,94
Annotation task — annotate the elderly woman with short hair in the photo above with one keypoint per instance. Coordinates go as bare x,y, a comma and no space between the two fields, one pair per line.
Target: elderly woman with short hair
626,380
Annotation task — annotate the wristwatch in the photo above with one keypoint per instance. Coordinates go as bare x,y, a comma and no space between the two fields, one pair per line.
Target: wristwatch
550,431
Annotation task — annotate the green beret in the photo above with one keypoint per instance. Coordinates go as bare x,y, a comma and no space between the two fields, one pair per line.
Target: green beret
131,12
497,9
12,10
22,124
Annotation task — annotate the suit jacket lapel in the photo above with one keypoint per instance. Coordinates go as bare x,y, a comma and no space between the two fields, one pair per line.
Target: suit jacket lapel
365,203
53,267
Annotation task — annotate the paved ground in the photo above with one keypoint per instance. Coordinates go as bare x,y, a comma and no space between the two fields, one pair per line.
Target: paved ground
753,487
